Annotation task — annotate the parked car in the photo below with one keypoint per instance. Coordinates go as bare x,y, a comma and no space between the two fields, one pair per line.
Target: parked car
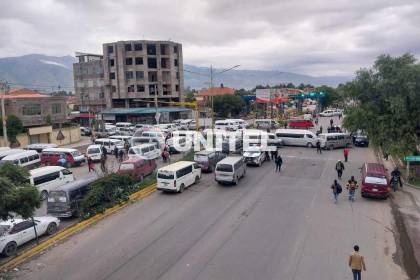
40,146
331,113
177,176
361,141
138,167
85,131
207,160
254,156
374,181
16,232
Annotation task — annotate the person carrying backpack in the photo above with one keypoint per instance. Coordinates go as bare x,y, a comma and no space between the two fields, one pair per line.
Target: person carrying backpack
352,186
339,167
279,162
336,188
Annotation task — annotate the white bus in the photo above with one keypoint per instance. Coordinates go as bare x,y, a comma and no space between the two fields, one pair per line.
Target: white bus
49,178
178,176
230,170
297,137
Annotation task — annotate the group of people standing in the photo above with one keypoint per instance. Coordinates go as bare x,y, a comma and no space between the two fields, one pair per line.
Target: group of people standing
276,157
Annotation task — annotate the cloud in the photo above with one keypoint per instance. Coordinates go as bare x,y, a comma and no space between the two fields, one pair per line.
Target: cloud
307,36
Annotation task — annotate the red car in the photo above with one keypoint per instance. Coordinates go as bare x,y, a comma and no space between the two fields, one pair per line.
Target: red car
137,167
305,124
375,182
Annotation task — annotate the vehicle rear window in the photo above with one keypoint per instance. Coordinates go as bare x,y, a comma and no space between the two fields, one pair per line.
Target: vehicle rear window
375,180
200,158
57,196
165,175
224,167
94,151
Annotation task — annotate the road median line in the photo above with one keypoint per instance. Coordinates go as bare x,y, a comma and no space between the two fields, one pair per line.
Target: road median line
61,235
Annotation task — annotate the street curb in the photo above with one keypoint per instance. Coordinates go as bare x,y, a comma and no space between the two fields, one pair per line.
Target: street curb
75,228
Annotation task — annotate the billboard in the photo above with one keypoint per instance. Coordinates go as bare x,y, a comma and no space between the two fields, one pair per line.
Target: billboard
272,95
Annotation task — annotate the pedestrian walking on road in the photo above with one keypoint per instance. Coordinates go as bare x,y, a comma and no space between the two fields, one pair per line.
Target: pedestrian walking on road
336,188
120,155
352,186
103,149
126,147
331,122
115,152
346,154
320,129
267,156
91,165
357,263
339,167
279,162
318,147
103,163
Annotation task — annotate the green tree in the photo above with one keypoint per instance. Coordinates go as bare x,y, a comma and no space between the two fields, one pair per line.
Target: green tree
17,196
14,127
386,102
228,105
332,96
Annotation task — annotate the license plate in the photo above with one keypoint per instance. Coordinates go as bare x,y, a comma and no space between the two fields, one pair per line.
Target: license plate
375,190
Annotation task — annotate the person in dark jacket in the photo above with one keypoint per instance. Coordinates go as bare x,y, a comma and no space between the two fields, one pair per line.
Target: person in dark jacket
115,152
339,167
318,147
337,189
279,162
397,174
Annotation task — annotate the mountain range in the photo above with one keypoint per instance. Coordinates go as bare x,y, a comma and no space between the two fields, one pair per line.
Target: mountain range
47,73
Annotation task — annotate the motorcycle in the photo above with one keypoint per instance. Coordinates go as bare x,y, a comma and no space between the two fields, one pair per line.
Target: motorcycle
394,183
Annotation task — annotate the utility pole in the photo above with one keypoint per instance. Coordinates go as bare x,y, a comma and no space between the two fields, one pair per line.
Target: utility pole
157,117
212,97
271,104
5,90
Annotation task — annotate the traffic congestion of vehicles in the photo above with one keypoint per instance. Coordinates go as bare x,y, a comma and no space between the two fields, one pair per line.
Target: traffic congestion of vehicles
235,144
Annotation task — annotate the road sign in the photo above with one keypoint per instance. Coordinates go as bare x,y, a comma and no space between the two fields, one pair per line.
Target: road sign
412,158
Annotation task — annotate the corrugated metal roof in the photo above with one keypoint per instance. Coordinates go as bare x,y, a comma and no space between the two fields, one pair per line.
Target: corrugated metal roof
143,110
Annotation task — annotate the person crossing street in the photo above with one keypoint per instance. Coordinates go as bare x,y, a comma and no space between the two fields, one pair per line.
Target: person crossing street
352,186
279,162
346,154
339,167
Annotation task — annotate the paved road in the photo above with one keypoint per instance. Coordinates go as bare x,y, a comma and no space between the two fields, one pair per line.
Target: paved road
270,226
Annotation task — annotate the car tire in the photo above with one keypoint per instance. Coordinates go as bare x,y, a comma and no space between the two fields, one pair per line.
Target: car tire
52,228
44,195
309,145
181,188
10,249
196,180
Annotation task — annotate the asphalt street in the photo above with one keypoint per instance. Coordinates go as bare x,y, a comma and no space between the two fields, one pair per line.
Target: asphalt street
270,226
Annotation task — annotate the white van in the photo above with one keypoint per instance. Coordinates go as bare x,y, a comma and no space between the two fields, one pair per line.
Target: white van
94,152
40,146
150,151
226,125
110,144
265,123
230,170
29,159
8,152
178,176
49,178
335,140
297,137
124,138
241,123
123,124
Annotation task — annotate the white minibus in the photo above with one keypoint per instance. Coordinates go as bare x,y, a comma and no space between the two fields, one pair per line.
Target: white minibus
8,152
150,151
230,170
335,140
29,159
49,178
110,144
297,137
178,176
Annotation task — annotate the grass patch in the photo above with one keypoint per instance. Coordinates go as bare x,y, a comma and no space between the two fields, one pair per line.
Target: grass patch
415,181
188,156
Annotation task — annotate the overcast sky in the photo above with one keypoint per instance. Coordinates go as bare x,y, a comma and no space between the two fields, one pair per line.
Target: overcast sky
316,37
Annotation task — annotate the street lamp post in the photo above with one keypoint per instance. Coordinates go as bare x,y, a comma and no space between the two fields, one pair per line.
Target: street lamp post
5,90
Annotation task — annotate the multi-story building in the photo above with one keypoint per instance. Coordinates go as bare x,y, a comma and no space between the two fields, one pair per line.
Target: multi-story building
136,71
88,75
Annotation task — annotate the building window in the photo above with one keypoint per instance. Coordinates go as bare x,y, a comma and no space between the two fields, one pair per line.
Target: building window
176,62
151,62
111,62
110,49
177,75
140,88
176,87
151,49
127,47
139,75
113,89
139,60
56,108
101,95
31,109
130,88
129,61
138,47
129,75
175,49
152,76
163,49
112,76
